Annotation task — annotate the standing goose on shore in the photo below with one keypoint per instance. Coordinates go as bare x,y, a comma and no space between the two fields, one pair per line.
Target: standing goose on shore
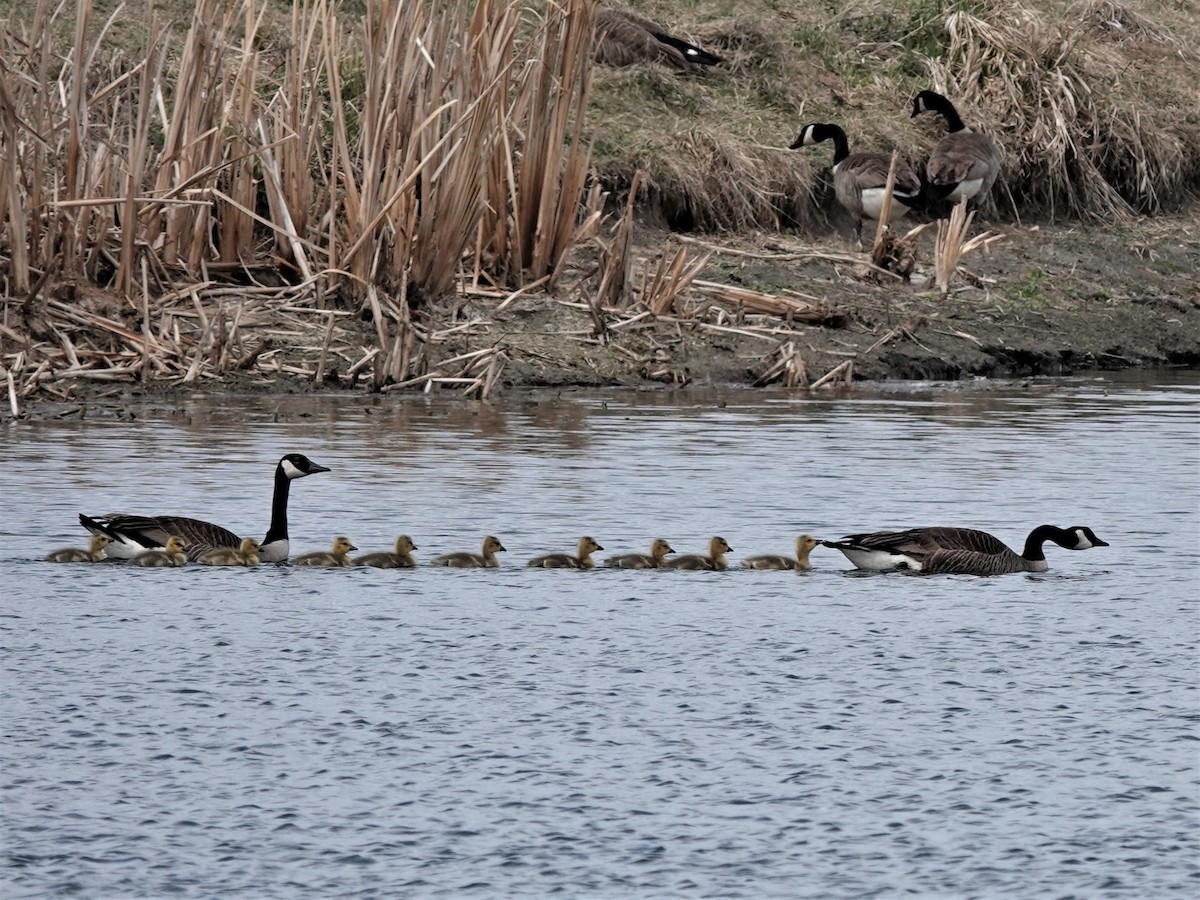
958,551
860,179
659,549
400,558
623,39
170,556
94,553
581,560
714,561
963,164
804,545
463,560
339,555
131,534
245,553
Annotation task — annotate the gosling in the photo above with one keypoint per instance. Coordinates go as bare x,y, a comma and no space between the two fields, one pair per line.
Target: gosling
170,556
400,558
246,554
94,552
714,561
653,560
338,556
804,546
582,559
464,560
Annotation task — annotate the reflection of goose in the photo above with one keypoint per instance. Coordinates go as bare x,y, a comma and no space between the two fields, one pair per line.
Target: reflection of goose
400,558
804,545
961,551
713,562
170,556
582,559
654,560
860,179
623,39
339,555
464,560
963,164
133,534
245,554
94,552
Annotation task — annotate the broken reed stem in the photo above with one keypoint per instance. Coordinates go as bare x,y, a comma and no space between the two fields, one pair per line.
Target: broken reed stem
885,211
948,244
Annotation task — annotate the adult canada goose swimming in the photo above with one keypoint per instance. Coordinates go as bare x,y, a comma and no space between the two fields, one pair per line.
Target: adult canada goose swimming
245,553
581,560
960,551
860,179
804,546
170,556
464,560
94,553
338,555
623,39
714,561
659,549
400,558
132,534
963,164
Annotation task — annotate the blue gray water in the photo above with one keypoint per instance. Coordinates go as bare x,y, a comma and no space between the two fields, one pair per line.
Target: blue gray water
284,732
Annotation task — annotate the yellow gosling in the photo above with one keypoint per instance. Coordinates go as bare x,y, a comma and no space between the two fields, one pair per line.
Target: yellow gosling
400,558
653,560
245,554
170,556
804,546
582,560
464,560
714,561
338,556
94,552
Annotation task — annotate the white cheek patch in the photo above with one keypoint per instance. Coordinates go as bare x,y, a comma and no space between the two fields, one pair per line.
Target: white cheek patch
1081,541
290,470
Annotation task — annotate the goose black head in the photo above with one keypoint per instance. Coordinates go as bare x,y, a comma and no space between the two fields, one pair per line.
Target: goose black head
297,465
1085,538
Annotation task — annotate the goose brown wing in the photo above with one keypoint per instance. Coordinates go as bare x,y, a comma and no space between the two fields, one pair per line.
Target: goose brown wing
966,539
914,542
153,531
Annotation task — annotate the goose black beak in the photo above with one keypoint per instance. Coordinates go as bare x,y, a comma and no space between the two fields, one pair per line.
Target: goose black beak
313,468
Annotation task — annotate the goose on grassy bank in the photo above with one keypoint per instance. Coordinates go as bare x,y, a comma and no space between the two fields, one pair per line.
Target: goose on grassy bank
963,164
961,551
132,534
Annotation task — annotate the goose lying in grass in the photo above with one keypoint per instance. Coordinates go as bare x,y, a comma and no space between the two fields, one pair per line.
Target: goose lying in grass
714,561
463,560
339,555
659,549
804,545
581,560
170,556
400,558
244,554
623,39
961,551
131,534
94,553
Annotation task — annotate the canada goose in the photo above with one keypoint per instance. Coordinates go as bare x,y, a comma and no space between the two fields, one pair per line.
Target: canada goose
172,555
400,558
804,545
654,560
582,560
464,560
713,562
94,553
623,39
961,551
963,164
860,179
245,553
133,534
339,555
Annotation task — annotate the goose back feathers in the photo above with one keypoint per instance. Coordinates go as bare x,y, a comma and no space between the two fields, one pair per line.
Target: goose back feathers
131,534
962,551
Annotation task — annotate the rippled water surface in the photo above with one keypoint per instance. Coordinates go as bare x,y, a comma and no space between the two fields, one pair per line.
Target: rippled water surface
284,732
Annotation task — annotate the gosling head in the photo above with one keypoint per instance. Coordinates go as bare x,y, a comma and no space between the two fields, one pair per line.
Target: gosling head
404,544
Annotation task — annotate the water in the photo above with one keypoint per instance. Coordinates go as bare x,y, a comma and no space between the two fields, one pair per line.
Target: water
304,733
